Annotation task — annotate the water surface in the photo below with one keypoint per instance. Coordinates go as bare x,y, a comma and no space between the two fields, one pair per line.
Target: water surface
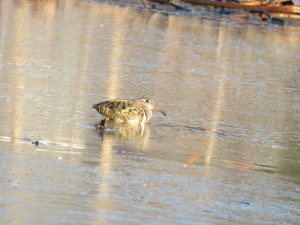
227,153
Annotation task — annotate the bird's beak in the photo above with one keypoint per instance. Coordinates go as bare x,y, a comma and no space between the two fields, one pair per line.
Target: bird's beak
159,110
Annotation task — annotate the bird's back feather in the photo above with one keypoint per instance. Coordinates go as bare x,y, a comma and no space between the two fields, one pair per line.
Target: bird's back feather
121,110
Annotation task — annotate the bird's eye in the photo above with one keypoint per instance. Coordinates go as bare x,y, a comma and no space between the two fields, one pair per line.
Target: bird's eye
147,101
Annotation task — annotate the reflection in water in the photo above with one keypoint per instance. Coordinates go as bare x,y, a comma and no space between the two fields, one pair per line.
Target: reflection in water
218,105
60,57
114,73
120,134
134,135
105,172
112,92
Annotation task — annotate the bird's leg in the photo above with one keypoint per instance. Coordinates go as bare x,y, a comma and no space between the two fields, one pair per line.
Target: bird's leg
145,3
102,123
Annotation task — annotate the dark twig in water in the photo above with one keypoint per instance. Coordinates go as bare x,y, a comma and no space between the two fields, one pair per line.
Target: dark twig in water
145,3
263,8
266,15
167,2
275,9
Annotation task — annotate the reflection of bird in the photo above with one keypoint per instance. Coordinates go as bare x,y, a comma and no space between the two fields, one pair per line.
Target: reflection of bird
131,111
125,134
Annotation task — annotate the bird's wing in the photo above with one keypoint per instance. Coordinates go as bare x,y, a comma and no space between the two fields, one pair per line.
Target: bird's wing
120,109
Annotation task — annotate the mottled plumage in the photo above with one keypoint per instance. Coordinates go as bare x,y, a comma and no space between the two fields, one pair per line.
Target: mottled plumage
131,111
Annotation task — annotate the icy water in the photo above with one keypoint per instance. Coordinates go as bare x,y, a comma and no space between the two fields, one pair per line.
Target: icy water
228,152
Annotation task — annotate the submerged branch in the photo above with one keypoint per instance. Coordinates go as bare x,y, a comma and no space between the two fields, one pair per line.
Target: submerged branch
273,9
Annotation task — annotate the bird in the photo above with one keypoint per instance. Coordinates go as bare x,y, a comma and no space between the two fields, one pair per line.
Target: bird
136,111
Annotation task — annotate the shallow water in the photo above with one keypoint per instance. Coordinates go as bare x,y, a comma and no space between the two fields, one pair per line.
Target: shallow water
227,153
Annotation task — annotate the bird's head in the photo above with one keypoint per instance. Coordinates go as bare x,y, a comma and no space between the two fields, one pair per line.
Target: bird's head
150,104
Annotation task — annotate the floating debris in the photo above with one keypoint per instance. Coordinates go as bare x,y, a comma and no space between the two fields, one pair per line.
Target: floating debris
36,143
140,159
269,10
243,202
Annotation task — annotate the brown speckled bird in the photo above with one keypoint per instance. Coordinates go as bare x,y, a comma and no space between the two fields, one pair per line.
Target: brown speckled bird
130,111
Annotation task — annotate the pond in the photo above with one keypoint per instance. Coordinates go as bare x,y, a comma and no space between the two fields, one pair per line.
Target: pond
227,152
